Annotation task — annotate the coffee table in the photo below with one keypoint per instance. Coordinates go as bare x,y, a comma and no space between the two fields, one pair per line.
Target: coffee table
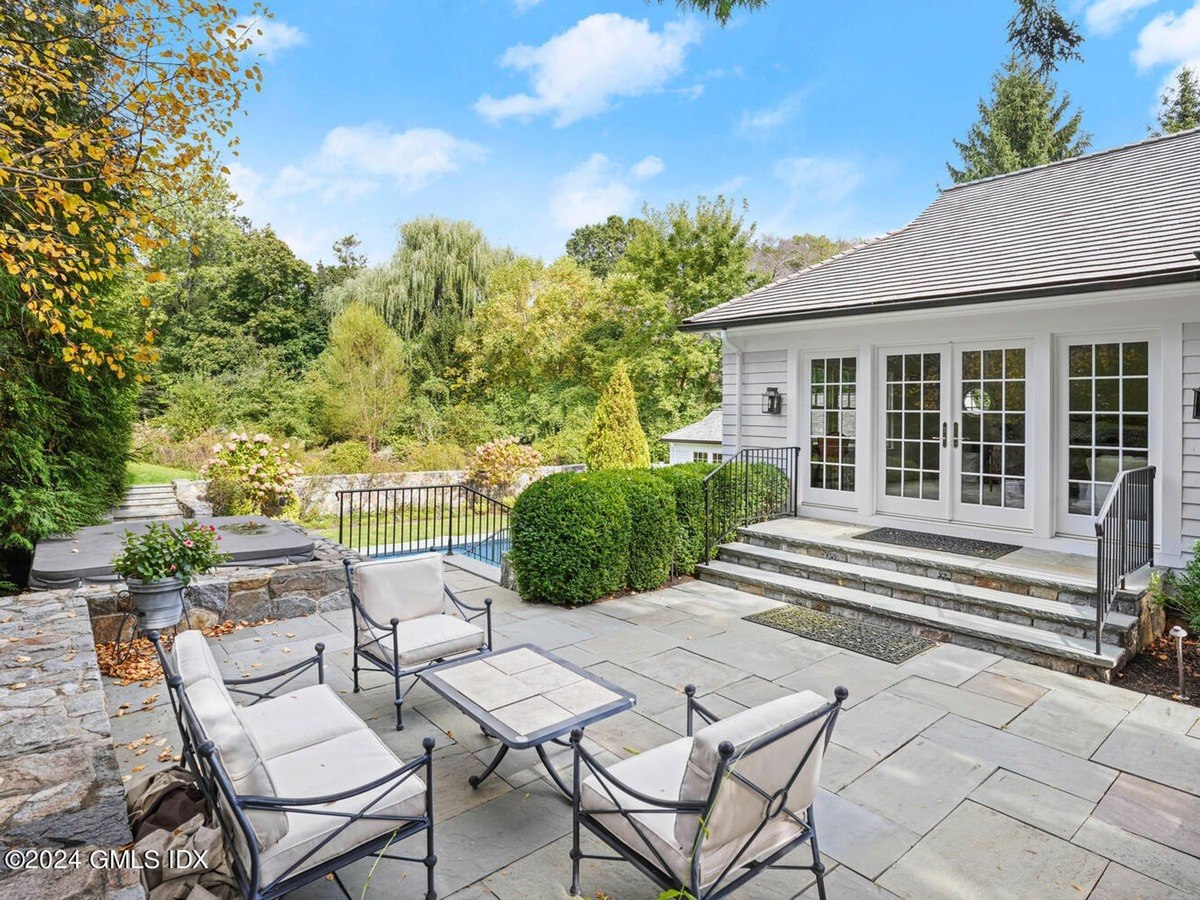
527,697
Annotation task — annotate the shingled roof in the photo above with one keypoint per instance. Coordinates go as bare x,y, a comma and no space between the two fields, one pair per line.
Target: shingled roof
705,431
1118,218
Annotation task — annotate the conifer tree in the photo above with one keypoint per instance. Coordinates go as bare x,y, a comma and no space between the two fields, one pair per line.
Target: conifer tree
1022,125
1180,104
616,439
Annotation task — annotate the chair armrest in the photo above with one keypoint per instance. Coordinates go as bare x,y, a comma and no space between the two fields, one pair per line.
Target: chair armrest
606,778
465,608
239,685
694,707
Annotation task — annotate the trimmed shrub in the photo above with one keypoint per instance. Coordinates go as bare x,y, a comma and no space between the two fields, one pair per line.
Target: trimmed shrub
686,480
653,526
745,492
570,539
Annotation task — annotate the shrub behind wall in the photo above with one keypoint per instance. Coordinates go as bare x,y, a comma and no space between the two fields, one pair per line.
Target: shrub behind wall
570,539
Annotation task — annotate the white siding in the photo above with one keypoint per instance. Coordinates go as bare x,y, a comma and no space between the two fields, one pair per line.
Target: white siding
1190,525
760,369
684,453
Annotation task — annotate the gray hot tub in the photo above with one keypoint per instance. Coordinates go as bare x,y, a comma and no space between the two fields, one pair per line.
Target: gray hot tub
85,557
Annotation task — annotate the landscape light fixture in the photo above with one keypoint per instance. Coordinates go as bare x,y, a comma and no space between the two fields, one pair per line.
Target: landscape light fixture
1179,634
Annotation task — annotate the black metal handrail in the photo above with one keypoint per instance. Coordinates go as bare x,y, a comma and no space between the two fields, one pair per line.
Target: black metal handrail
394,521
1124,537
753,485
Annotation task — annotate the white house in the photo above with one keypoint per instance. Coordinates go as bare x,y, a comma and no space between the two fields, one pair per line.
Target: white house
698,442
990,368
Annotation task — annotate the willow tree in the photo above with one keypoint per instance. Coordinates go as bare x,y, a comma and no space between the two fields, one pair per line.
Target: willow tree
428,290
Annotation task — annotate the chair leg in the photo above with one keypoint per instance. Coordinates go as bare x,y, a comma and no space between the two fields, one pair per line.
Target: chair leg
399,705
430,863
818,866
355,670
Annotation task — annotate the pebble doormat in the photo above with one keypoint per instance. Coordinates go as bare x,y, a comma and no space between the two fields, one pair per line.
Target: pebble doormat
861,637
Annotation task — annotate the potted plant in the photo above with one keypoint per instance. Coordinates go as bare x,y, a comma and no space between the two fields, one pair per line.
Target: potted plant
159,562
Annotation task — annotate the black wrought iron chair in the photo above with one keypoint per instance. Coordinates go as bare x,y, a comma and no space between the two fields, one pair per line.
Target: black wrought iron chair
409,593
298,784
703,815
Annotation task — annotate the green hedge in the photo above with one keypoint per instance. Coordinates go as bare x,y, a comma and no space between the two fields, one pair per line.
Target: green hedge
654,528
687,482
744,492
570,538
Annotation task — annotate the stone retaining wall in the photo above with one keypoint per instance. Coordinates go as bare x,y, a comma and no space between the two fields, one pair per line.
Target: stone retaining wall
318,493
60,787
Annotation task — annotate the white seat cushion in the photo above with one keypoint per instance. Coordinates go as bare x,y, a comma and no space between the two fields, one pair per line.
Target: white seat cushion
336,765
428,638
298,719
407,587
194,660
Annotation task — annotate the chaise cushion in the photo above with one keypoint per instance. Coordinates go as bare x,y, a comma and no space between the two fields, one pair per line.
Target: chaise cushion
194,660
427,638
408,587
335,765
298,719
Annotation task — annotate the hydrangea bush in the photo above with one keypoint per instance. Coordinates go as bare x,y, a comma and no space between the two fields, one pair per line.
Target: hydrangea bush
495,466
164,552
262,469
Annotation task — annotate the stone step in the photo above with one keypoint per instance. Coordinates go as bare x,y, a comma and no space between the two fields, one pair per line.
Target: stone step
123,513
1023,609
1022,642
989,573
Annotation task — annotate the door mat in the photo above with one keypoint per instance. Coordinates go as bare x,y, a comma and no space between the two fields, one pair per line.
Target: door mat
922,541
886,644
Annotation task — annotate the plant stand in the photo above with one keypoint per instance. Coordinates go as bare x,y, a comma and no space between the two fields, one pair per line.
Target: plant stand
133,617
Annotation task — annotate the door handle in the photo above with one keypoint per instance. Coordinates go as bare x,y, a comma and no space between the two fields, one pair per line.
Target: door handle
944,434
956,434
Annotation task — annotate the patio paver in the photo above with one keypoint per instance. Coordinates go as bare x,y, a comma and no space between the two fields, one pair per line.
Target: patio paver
947,776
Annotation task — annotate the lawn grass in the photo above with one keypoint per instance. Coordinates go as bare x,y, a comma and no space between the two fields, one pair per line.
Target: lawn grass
149,473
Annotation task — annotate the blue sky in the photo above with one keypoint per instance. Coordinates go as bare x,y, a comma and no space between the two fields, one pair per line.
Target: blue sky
530,117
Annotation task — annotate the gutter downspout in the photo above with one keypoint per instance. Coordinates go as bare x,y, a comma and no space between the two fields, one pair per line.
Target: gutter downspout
737,388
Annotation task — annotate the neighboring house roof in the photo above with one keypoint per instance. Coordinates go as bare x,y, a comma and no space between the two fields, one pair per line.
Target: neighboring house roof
1119,218
706,431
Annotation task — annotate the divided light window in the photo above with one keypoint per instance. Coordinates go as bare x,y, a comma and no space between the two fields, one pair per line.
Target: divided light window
833,405
1108,425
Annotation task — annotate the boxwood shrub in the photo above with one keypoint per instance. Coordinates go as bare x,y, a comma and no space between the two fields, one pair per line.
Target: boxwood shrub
654,528
687,483
570,538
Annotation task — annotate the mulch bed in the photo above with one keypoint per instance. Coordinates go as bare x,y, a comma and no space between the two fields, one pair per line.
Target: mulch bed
1156,671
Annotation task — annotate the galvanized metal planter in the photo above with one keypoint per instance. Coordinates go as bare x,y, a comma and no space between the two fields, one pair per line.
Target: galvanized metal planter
159,603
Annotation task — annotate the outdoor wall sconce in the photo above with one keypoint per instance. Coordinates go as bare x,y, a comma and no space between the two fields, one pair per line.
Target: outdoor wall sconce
1196,403
772,401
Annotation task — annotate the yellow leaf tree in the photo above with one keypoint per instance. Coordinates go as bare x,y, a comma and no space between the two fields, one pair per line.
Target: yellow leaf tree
105,109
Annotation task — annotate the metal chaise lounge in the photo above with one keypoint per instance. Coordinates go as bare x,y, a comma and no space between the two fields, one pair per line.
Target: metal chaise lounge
401,626
703,815
297,783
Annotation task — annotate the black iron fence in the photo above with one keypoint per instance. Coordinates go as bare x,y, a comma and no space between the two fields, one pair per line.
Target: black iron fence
449,518
753,485
1124,537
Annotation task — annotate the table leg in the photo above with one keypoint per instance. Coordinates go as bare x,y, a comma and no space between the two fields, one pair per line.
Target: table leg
562,786
476,780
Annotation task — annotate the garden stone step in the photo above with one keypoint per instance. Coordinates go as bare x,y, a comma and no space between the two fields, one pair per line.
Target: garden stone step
1052,615
1022,642
943,566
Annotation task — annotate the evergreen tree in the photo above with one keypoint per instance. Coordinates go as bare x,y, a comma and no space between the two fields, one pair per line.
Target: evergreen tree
616,439
1022,125
1180,104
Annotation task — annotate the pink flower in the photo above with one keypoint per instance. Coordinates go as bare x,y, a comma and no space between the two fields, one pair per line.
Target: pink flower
173,567
189,544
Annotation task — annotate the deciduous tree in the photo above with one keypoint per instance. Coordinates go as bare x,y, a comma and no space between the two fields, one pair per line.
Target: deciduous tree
598,247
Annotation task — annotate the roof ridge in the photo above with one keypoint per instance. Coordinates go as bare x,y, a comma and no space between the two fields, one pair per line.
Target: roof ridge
1153,139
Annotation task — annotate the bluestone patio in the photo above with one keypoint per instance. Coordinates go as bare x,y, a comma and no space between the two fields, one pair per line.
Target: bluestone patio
957,774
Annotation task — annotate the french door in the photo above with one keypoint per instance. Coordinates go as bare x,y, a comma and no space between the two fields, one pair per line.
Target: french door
954,432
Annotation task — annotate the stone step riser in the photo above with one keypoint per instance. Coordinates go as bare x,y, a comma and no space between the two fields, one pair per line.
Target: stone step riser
821,603
1118,637
1073,594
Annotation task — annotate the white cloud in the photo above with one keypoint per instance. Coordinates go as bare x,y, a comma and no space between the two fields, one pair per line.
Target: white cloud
1105,17
757,123
596,189
822,179
523,6
270,37
354,159
1170,38
730,186
577,73
647,168
692,92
